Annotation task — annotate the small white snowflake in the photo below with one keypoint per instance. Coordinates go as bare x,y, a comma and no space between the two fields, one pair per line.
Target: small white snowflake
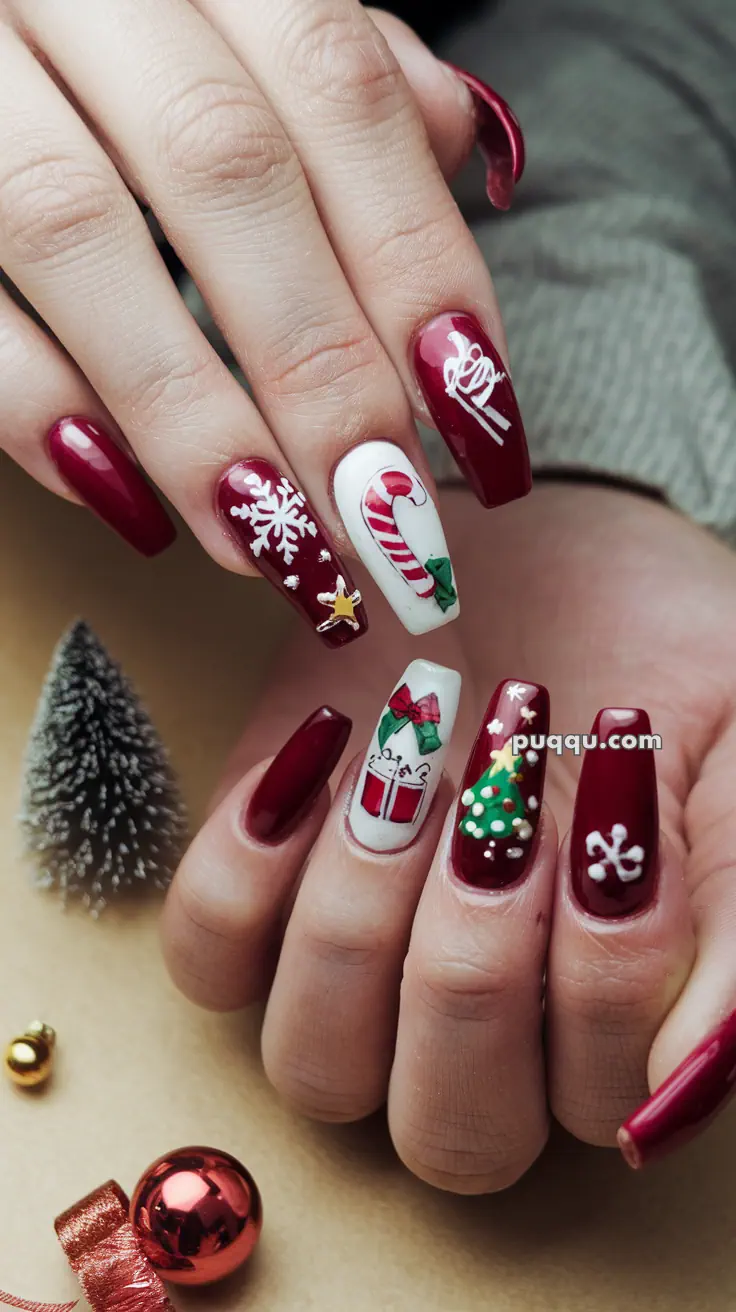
627,864
495,726
276,516
528,714
325,555
291,581
516,691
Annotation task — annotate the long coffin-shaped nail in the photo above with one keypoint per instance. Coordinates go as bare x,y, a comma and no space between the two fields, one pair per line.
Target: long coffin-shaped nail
615,828
470,397
394,526
687,1102
403,764
110,483
500,140
276,527
502,787
296,776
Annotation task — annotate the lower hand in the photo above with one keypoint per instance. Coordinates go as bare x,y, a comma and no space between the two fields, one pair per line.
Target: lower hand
388,977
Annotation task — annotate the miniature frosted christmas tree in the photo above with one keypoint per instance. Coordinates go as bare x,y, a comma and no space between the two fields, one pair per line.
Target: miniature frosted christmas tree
101,808
495,806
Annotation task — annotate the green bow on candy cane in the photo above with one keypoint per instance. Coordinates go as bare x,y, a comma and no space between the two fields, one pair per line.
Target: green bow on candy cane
424,716
441,570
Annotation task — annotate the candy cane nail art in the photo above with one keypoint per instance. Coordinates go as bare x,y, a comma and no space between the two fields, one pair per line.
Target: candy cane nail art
615,828
403,764
470,397
395,528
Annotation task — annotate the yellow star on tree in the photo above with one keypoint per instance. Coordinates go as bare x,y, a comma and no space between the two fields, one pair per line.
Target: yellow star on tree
503,759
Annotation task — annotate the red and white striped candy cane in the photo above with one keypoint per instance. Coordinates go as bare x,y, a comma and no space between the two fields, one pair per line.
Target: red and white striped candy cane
378,512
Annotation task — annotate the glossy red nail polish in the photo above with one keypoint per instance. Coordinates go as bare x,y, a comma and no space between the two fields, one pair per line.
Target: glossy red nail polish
297,775
498,811
687,1102
615,829
110,483
500,140
471,400
276,527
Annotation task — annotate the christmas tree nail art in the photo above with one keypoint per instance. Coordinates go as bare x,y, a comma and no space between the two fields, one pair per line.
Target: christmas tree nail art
615,830
403,764
275,526
499,804
395,528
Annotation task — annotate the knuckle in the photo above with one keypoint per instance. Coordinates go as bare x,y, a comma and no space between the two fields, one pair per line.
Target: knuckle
336,942
617,994
319,360
345,61
170,384
214,137
455,988
412,243
55,205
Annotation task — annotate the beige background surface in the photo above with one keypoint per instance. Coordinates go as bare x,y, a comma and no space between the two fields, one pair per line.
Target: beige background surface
140,1071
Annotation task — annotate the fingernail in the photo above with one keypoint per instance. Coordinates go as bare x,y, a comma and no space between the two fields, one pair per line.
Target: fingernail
276,527
296,776
472,401
501,794
615,828
110,483
687,1102
403,764
394,526
499,138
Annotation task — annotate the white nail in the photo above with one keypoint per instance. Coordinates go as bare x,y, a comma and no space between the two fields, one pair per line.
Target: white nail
394,526
403,764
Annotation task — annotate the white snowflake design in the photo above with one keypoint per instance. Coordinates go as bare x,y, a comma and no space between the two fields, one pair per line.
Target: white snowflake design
516,691
495,726
627,864
276,516
291,581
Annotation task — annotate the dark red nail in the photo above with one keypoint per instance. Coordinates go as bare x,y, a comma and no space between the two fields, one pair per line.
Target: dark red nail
110,483
297,775
471,399
500,140
688,1101
502,787
615,828
279,532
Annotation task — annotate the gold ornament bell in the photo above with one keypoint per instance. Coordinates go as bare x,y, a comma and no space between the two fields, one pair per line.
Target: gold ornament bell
29,1058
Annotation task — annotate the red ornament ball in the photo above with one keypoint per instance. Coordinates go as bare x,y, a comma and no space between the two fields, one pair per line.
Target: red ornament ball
197,1214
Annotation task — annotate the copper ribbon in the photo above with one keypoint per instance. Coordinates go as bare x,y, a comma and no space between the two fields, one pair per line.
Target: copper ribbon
8,1300
104,1253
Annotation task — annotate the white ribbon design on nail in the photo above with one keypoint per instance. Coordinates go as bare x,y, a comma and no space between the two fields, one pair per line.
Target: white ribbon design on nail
471,374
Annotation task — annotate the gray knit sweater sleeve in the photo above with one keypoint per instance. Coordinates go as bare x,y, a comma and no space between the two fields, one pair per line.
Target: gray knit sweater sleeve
616,267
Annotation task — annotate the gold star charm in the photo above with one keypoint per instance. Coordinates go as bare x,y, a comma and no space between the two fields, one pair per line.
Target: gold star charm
503,758
343,607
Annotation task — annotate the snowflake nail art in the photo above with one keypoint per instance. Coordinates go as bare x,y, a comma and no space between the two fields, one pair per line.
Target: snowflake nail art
277,529
625,862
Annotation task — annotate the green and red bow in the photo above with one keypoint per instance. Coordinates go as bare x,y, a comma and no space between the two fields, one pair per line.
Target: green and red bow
423,715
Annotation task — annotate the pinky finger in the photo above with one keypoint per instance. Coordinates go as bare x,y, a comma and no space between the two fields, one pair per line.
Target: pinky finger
56,428
227,904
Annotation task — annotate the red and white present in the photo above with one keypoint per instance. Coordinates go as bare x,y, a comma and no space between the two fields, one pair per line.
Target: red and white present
392,790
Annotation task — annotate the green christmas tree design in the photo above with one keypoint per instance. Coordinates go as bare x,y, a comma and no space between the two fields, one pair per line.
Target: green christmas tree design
494,805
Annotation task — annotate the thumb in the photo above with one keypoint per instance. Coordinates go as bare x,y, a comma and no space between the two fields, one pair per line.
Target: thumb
458,111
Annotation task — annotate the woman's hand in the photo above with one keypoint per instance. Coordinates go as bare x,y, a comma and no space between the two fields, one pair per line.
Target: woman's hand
612,601
293,151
